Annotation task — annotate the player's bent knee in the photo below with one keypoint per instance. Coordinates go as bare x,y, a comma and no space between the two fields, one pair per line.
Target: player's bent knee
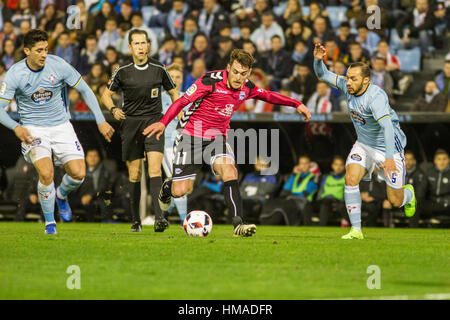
179,190
78,175
46,178
134,175
396,202
228,173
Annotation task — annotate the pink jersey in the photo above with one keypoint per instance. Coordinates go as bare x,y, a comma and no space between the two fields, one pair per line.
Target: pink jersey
214,102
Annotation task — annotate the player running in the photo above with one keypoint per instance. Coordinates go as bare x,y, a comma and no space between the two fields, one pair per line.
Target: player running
141,83
39,85
214,97
380,141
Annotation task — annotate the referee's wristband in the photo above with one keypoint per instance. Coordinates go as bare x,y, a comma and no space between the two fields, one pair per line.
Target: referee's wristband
112,110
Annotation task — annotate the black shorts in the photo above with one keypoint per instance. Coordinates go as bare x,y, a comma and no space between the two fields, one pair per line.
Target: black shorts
134,143
191,153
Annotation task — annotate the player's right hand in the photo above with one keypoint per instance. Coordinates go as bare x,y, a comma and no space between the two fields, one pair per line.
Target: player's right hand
106,130
303,110
23,134
156,127
118,114
319,51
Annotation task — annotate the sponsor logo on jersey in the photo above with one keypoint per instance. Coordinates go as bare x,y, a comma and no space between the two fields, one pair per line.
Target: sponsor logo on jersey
191,89
155,92
356,157
357,117
221,91
3,89
227,111
41,96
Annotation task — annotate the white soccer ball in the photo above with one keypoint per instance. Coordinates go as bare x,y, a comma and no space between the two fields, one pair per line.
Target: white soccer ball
197,224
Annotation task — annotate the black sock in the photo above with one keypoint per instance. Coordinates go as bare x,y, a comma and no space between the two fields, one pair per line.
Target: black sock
135,199
167,188
233,201
155,187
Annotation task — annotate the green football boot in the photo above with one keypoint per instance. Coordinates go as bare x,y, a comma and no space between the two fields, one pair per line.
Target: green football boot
410,208
353,234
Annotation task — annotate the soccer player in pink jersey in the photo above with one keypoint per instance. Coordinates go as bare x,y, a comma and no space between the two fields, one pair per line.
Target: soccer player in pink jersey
203,129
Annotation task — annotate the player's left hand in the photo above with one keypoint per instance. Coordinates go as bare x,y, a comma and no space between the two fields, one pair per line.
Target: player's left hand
106,130
303,110
389,168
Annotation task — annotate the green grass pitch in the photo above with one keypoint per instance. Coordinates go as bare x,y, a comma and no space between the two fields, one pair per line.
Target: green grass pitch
278,263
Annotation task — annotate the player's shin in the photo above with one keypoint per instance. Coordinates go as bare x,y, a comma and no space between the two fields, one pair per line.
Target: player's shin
155,188
68,184
352,197
47,200
234,201
135,197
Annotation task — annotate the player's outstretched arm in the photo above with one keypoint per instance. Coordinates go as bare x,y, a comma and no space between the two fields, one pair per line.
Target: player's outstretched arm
104,127
323,73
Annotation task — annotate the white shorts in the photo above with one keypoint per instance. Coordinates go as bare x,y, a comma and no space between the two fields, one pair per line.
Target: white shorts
370,158
59,143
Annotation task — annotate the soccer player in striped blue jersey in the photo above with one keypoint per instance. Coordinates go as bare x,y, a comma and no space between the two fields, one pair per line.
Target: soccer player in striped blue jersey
380,141
39,85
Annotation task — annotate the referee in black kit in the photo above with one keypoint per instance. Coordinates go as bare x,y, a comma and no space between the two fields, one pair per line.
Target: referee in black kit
141,83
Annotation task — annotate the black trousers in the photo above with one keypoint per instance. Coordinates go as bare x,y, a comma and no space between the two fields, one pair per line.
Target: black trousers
330,206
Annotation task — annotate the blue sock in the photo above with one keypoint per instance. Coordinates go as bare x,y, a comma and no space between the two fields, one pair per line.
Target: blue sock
181,204
47,198
67,185
353,203
407,197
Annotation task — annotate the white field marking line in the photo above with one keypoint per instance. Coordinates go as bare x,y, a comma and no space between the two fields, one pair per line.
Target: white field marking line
428,296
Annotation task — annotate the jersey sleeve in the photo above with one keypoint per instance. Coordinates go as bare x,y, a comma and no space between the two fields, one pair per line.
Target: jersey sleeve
71,76
331,78
167,81
197,90
272,97
8,87
380,106
115,82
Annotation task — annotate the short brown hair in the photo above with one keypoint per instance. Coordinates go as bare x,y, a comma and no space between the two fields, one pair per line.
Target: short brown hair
137,31
365,70
175,67
241,56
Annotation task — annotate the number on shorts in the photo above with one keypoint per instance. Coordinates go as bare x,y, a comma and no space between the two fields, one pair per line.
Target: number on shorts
394,178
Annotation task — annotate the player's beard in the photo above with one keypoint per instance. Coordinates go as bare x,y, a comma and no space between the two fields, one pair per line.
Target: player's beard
355,92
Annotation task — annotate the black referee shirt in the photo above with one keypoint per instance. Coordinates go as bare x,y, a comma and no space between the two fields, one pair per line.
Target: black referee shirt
141,87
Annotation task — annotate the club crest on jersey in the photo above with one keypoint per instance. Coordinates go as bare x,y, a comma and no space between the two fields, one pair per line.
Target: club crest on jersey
41,96
361,108
241,95
191,89
52,78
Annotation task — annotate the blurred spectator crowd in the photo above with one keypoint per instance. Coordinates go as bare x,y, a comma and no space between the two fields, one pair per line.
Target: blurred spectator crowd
200,34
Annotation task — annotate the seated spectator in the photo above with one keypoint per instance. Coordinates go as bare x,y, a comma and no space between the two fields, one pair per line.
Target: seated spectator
112,57
320,32
278,64
382,78
95,193
332,53
246,30
292,13
297,31
76,103
262,36
198,69
331,193
97,21
25,12
256,188
208,197
224,32
223,52
8,53
420,23
363,17
438,191
316,11
67,50
294,203
175,17
355,9
89,55
48,20
7,33
344,38
22,189
357,54
301,54
126,10
304,83
24,28
432,101
373,193
255,17
96,78
189,31
417,178
200,50
110,36
368,39
250,47
443,80
322,101
211,17
137,22
167,51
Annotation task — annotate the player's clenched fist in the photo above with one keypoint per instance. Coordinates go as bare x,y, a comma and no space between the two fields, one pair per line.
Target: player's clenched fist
23,134
106,130
303,110
156,127
319,51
